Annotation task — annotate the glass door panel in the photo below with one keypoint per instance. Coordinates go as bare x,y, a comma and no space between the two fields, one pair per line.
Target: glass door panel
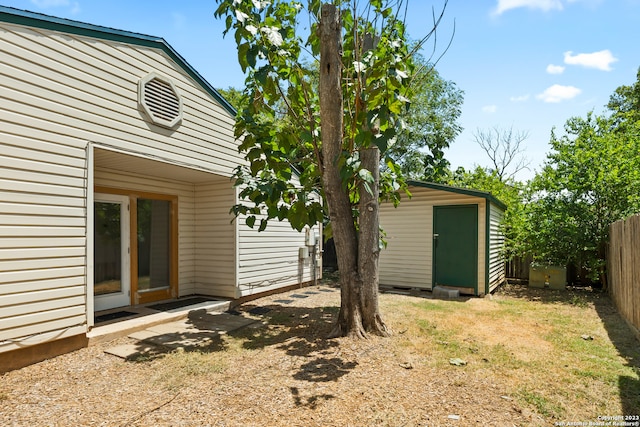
107,272
154,244
110,252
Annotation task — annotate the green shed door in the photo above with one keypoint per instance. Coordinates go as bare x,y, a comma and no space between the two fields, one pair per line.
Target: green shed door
455,246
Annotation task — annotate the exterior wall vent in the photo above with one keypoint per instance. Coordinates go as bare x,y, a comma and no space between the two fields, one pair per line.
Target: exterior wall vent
160,100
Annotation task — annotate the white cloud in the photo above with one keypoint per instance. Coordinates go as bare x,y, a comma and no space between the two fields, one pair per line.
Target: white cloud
600,60
520,98
545,5
489,109
555,69
559,93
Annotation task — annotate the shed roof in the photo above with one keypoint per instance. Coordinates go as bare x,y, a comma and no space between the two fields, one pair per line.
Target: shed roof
39,20
475,193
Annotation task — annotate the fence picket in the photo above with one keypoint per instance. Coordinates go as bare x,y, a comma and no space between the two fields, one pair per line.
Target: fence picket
624,269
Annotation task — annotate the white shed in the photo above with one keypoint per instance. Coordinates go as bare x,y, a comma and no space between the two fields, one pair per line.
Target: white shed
115,190
445,236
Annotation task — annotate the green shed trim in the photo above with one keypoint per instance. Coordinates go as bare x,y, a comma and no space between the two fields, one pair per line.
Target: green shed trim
482,194
487,241
47,22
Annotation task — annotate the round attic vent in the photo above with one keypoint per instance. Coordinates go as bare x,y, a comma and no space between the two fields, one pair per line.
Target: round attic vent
160,100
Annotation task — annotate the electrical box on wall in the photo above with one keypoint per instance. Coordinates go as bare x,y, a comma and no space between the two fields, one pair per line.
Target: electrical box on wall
310,237
303,252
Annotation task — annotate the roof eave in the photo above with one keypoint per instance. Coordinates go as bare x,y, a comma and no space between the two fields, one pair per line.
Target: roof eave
459,190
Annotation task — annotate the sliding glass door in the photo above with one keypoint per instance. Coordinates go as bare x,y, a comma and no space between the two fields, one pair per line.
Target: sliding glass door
135,248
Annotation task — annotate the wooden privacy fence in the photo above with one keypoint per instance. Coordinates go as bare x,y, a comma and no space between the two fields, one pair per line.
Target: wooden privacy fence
518,267
624,269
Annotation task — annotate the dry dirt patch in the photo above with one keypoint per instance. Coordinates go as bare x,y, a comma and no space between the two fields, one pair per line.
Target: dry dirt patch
285,373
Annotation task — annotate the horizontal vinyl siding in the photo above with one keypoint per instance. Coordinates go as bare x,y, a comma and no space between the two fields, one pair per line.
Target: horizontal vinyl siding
69,89
215,240
270,259
186,215
407,261
42,242
59,92
496,241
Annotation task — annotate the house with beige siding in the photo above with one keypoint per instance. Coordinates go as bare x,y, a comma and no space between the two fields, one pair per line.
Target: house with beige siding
443,236
116,159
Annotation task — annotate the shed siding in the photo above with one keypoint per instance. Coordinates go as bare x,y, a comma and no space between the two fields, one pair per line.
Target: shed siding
59,92
496,241
407,259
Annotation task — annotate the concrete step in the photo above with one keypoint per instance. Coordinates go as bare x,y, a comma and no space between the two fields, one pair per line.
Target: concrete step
444,293
123,328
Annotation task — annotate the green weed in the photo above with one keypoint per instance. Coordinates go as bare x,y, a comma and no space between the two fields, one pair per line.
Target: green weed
543,405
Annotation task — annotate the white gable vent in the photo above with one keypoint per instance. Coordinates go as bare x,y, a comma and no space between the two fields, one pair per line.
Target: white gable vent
160,100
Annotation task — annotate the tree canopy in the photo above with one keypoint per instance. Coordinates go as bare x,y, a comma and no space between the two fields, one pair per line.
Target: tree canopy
509,191
430,126
332,128
590,179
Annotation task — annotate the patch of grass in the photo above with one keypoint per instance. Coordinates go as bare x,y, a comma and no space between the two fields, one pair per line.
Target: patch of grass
512,307
578,300
543,405
256,338
440,335
500,357
180,366
280,318
532,341
591,374
441,306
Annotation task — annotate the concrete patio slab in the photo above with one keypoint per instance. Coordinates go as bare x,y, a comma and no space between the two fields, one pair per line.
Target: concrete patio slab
199,329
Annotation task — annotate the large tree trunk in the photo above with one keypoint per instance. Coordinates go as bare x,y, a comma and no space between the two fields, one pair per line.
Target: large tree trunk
369,243
358,298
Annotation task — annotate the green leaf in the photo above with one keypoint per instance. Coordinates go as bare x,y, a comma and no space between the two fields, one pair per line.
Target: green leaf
257,166
250,221
243,51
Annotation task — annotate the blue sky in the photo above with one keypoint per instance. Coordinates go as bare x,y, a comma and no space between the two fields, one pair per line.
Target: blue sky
526,64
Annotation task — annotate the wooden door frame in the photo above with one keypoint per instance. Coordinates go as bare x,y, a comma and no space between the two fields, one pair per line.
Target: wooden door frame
161,294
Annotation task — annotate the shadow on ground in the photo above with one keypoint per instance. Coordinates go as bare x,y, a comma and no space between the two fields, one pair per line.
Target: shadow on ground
628,347
618,331
298,331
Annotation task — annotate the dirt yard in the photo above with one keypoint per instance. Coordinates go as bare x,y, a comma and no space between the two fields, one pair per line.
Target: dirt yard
521,358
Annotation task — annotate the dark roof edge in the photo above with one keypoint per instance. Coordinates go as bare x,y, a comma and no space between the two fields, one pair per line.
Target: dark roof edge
39,20
466,191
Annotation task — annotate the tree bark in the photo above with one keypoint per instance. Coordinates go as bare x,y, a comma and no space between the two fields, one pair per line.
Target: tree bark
356,317
338,204
369,243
